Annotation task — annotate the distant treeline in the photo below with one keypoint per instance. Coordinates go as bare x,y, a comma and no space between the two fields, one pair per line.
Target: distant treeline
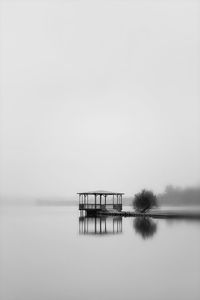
179,196
174,196
56,202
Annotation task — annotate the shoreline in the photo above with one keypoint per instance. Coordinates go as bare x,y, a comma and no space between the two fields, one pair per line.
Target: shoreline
155,215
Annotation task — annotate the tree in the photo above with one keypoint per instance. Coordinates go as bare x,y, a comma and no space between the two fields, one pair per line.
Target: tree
144,201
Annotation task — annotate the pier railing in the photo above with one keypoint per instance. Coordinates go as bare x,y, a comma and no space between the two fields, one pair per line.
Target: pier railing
100,206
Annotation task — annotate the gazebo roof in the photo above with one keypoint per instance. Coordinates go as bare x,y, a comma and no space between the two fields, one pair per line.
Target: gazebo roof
100,193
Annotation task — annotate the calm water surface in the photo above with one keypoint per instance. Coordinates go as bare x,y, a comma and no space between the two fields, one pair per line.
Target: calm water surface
51,253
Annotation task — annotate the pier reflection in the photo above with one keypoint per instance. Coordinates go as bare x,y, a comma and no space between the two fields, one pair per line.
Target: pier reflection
100,225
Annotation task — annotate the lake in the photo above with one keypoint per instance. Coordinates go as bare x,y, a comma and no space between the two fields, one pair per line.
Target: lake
49,252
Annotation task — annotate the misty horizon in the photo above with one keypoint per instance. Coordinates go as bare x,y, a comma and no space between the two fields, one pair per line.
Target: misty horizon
172,196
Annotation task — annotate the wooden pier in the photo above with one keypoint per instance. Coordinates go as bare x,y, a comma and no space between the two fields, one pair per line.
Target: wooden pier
105,203
96,202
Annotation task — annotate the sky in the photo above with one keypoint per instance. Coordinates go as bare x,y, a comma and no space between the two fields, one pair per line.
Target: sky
98,95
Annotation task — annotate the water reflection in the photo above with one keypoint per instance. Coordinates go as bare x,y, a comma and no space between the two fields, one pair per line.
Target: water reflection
100,225
145,226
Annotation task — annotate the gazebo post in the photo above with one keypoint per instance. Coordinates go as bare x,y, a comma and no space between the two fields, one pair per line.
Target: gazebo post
95,200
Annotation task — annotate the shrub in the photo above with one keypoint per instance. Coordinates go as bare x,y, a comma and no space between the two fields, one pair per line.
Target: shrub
144,201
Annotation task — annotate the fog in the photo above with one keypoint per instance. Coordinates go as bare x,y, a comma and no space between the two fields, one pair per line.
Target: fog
177,196
98,95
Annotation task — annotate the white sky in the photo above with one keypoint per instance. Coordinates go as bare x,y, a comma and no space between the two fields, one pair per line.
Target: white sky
99,95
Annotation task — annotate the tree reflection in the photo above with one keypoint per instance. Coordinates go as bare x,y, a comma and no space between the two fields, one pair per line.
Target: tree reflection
145,226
